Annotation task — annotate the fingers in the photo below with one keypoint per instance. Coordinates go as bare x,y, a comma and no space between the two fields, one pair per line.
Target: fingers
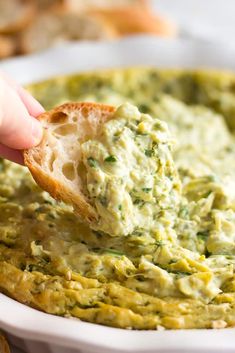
12,155
33,106
18,129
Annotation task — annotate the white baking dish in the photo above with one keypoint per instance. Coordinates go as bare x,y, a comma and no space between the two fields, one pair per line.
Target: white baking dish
132,51
37,332
81,337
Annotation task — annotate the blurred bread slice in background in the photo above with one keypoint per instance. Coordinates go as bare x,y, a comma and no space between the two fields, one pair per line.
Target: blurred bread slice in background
28,26
127,16
4,347
134,20
15,15
56,27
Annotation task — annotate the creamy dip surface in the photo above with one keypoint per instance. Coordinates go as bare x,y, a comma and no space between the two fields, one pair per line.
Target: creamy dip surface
131,177
162,178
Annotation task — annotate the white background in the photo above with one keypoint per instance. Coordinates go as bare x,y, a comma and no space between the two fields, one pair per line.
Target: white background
204,19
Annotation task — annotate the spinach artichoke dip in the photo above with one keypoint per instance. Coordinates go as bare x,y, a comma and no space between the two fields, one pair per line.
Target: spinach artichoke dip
162,176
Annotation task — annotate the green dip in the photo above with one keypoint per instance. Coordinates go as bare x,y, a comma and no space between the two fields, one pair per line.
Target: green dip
166,196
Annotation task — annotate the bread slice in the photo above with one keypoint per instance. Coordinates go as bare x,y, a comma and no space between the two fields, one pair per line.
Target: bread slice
128,20
15,15
126,16
55,27
4,347
56,164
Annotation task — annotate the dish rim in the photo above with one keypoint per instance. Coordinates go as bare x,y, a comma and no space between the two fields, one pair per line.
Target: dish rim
139,50
28,323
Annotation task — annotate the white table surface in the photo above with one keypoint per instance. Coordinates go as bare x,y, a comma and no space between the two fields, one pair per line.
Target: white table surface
207,20
201,19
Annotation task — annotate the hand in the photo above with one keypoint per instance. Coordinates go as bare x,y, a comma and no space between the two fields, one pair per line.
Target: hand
18,127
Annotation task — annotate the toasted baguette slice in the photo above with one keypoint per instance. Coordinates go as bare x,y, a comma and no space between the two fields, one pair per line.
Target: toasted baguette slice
133,19
52,28
4,347
15,15
56,164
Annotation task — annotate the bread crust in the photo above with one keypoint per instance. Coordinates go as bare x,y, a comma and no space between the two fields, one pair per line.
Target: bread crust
92,116
4,347
55,26
136,19
7,46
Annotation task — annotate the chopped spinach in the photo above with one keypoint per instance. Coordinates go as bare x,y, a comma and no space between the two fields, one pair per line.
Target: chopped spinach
92,162
212,178
108,251
146,189
113,252
111,159
149,153
159,242
207,193
180,274
144,108
139,202
203,235
184,212
103,200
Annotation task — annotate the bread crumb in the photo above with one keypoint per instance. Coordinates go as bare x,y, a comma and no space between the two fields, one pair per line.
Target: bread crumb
219,324
68,275
160,328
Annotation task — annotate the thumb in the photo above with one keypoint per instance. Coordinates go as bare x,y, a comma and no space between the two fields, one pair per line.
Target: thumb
18,130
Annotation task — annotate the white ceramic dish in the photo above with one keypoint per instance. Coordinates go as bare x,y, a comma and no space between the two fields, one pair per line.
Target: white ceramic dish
38,332
132,51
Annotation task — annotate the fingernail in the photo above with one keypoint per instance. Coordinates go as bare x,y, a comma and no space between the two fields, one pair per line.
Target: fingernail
36,132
